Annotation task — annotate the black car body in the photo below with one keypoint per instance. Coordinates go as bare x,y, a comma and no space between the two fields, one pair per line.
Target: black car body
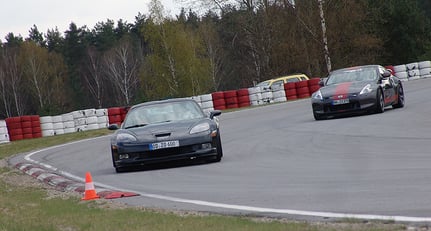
357,89
162,131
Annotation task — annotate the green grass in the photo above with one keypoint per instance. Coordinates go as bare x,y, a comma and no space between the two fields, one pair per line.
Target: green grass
28,207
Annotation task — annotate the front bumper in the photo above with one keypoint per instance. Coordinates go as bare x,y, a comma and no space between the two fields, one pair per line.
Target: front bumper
140,154
357,104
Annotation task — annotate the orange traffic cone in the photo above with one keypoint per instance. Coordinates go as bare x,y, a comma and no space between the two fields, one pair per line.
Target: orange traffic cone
90,192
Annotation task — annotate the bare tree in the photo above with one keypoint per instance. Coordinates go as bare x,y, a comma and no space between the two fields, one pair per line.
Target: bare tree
14,78
122,65
94,76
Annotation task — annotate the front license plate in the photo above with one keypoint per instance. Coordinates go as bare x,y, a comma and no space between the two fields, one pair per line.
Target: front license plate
340,101
165,144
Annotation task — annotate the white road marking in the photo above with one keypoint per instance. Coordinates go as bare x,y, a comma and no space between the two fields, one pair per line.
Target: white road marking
227,206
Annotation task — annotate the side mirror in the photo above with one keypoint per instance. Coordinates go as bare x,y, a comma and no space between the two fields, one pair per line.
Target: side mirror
214,113
113,127
386,74
322,82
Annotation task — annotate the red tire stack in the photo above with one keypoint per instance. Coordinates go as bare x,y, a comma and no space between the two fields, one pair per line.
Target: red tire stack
290,89
243,97
302,89
14,128
313,85
218,100
231,99
114,115
35,126
27,131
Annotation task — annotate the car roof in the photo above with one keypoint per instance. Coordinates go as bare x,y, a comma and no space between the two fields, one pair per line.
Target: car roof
298,75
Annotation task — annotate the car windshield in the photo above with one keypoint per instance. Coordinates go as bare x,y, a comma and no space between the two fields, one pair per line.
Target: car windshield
352,75
163,112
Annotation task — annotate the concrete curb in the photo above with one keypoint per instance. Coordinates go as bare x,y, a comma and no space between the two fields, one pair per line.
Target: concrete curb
63,184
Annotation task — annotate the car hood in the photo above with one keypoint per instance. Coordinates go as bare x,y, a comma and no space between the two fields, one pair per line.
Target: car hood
342,90
166,130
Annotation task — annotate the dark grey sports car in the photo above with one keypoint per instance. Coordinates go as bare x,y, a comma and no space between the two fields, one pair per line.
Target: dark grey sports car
162,131
357,89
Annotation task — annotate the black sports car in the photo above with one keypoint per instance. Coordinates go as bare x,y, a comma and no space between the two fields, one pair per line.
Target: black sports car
168,130
357,89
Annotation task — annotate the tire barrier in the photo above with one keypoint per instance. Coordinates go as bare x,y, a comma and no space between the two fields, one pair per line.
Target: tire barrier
205,102
255,96
302,90
218,100
290,89
231,99
413,71
4,135
243,97
116,115
19,128
313,85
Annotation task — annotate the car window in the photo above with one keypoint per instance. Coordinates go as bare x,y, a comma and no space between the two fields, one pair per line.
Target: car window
303,78
279,82
163,112
352,75
263,84
292,80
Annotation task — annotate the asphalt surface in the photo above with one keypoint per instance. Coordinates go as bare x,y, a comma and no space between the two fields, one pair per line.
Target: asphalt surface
278,161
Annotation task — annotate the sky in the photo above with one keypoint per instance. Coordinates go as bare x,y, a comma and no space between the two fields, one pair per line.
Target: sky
18,16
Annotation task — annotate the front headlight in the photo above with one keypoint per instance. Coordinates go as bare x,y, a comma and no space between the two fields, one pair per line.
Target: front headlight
124,137
367,89
317,95
200,128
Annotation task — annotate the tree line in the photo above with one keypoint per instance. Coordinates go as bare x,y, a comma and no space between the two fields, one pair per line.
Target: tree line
231,46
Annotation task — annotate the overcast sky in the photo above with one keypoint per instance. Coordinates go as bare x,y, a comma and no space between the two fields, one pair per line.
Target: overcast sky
18,16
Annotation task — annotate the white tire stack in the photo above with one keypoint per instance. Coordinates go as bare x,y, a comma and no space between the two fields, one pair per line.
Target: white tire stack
58,125
207,104
102,118
278,93
47,126
425,69
267,96
4,135
255,95
413,71
401,72
80,121
68,123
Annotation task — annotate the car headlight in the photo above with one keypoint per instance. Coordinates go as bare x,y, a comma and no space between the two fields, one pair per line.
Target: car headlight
317,95
200,128
125,137
367,89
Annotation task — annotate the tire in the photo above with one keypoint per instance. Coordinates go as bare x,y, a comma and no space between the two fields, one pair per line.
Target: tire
380,102
219,150
400,100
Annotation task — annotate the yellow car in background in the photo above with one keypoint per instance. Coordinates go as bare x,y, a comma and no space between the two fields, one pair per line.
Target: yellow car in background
280,81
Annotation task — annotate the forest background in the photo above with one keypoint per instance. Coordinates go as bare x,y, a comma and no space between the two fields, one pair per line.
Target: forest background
233,45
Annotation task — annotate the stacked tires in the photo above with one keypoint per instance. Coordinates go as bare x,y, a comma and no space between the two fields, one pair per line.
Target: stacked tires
218,100
313,85
116,115
302,89
413,71
231,99
278,93
401,72
4,135
243,97
267,96
102,118
23,127
255,96
290,90
425,69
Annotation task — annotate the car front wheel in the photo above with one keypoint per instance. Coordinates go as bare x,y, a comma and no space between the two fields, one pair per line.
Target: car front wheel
380,102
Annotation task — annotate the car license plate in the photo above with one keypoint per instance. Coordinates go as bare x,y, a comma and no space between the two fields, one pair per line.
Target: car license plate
340,101
165,144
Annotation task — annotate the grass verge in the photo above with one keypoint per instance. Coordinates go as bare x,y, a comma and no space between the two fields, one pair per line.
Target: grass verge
26,204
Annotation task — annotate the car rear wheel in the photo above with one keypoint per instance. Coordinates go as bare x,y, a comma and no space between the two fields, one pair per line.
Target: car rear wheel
380,102
400,102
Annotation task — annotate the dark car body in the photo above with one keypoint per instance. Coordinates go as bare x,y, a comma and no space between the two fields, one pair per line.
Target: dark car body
163,131
358,89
